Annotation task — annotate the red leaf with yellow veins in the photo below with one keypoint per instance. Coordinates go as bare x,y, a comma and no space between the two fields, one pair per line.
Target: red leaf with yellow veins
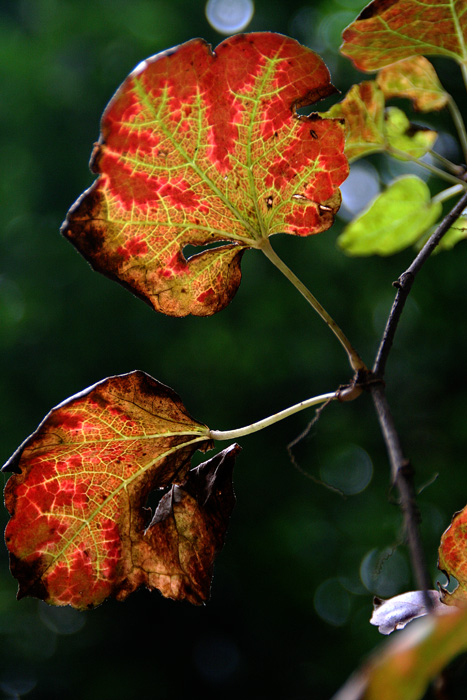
77,528
416,79
202,148
452,559
387,31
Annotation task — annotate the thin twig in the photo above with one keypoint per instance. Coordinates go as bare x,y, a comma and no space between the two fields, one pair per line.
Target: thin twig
402,477
405,281
401,470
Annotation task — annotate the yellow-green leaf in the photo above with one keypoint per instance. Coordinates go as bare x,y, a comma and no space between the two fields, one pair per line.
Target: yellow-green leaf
408,138
393,221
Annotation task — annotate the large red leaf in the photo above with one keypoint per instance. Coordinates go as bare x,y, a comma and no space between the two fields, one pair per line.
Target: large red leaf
387,31
77,532
200,148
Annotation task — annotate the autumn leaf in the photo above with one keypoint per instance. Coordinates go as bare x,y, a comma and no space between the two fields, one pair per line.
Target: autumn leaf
188,530
404,666
452,559
363,112
404,138
201,148
387,31
370,128
79,531
394,220
416,79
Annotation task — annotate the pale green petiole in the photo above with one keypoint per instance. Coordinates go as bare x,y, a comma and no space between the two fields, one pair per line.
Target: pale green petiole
447,194
270,420
354,358
427,166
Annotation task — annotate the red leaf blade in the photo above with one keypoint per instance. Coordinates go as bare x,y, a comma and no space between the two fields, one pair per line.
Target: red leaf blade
77,503
201,148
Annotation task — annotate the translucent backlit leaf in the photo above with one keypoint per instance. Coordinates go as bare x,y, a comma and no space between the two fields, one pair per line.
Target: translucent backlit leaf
387,31
363,111
416,79
452,558
79,530
405,137
457,233
394,220
403,667
201,148
370,128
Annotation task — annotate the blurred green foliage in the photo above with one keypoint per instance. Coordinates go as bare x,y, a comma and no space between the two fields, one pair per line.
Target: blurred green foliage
292,589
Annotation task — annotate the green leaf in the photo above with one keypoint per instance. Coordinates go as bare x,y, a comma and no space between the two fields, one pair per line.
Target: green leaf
457,233
414,140
403,667
393,221
416,79
387,31
201,148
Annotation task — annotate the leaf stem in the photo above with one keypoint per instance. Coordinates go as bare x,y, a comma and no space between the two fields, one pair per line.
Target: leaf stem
447,194
270,420
354,358
427,166
459,124
447,164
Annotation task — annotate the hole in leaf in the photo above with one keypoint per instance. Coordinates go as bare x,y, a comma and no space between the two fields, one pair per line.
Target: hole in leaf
152,502
190,250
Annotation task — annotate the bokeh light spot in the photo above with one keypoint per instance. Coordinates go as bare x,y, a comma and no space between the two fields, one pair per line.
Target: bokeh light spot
350,471
384,573
229,16
332,602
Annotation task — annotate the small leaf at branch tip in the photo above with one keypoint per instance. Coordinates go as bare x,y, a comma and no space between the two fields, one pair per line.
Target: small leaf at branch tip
395,613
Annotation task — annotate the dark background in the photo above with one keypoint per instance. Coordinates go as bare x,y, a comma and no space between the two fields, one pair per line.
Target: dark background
292,591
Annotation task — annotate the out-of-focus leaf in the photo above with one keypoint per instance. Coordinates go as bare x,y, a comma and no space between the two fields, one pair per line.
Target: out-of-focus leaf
77,532
363,111
200,148
396,613
387,31
404,666
452,558
370,128
416,79
393,221
457,233
414,140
